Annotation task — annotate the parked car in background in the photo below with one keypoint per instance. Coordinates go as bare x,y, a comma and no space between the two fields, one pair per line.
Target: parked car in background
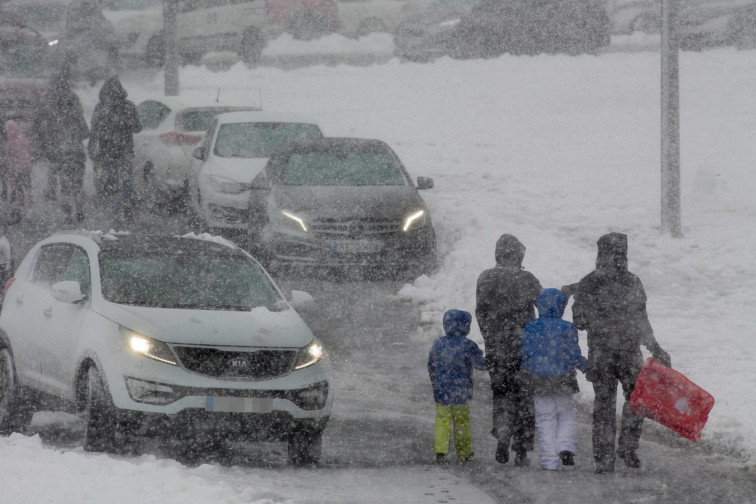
235,150
48,17
358,18
701,24
340,204
185,339
171,129
489,28
203,26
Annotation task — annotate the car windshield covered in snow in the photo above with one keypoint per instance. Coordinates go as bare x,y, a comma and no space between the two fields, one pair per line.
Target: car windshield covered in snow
259,139
343,169
170,278
200,119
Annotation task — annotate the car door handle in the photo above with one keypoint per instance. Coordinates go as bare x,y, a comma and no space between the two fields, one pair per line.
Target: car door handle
47,312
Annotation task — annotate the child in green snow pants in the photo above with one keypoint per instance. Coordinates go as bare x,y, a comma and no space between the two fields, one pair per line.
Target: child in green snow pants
456,419
450,365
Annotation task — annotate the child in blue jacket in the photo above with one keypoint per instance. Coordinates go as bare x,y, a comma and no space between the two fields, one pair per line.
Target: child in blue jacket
450,365
550,355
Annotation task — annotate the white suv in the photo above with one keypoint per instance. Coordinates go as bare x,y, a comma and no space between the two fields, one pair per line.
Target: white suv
182,338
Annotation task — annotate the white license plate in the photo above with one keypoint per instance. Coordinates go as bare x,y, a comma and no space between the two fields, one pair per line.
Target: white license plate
357,246
239,404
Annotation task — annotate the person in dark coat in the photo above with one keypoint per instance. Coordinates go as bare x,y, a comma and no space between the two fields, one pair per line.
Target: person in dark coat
62,130
550,355
450,365
505,301
610,304
114,122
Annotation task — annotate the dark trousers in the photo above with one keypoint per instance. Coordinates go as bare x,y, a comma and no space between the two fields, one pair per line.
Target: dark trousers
513,410
607,369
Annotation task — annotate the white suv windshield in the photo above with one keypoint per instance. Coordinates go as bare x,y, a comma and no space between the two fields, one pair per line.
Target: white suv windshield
171,280
259,140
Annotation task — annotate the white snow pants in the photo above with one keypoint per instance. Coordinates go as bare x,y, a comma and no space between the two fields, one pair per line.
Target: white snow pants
556,422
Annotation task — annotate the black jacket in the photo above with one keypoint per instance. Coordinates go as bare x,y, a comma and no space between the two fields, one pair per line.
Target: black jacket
610,302
506,296
114,122
60,123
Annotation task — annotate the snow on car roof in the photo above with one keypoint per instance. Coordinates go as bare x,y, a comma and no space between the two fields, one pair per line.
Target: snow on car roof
263,116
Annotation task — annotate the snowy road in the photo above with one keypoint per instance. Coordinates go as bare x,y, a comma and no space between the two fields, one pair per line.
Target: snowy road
556,150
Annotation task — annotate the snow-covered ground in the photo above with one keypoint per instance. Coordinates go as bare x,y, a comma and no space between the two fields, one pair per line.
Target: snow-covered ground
556,150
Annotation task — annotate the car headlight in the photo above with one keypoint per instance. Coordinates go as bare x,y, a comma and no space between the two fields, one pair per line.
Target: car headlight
296,221
227,186
450,22
415,219
309,355
150,348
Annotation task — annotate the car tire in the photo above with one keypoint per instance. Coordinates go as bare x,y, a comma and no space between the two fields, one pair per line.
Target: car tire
252,45
304,446
307,24
15,413
370,25
100,416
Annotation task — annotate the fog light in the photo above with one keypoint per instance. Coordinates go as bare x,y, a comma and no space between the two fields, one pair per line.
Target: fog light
312,398
151,392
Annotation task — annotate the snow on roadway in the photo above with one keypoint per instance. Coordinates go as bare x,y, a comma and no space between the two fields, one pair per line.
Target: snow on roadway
554,149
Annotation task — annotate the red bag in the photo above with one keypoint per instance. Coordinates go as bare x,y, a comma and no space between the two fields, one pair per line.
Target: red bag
666,396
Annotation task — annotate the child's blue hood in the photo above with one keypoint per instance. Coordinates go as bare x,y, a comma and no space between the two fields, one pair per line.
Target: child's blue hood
551,303
457,322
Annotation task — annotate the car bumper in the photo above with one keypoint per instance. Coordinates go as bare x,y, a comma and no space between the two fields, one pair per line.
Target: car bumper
225,211
416,249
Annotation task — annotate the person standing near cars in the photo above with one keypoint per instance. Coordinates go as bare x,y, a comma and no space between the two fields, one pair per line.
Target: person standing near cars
610,304
62,130
114,122
550,355
450,365
506,297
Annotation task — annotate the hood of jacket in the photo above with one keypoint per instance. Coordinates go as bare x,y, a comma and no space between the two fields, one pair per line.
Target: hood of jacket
112,90
509,251
551,303
612,254
457,323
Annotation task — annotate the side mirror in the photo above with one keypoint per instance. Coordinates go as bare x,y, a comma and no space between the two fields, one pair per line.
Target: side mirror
199,153
68,291
424,183
301,301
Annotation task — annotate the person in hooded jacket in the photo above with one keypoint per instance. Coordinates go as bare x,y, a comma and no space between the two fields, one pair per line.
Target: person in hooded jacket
450,366
62,129
114,122
550,355
505,301
610,303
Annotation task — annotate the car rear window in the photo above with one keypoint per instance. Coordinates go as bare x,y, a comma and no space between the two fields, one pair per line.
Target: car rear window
260,139
337,169
196,280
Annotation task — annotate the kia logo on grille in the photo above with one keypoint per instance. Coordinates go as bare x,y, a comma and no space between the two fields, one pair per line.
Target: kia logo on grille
356,229
239,363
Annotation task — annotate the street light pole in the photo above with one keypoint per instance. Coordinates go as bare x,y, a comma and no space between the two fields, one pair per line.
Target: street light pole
670,122
171,50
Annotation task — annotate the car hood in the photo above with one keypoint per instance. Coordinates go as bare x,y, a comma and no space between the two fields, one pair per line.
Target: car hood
383,202
259,327
241,170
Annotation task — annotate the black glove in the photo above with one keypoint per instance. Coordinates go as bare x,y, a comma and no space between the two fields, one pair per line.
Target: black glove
663,357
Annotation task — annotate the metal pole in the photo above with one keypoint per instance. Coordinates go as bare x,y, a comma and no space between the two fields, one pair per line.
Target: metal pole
171,49
670,122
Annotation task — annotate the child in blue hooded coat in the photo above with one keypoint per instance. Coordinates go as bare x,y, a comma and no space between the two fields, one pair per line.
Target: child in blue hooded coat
550,355
450,365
